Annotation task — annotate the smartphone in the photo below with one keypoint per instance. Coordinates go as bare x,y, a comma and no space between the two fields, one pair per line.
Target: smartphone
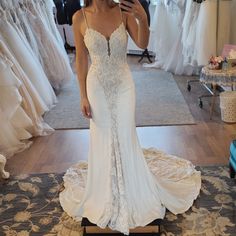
131,1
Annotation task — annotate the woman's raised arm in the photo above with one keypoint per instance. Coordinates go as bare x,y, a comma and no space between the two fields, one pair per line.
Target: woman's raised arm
136,22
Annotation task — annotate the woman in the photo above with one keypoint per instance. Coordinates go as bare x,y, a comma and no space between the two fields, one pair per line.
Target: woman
121,189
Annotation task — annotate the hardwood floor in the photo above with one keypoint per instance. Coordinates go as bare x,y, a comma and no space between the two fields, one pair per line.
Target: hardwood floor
203,144
206,143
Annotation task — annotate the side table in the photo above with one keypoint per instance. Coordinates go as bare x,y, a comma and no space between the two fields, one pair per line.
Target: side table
216,78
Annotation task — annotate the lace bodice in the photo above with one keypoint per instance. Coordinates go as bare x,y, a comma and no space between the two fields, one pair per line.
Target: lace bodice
106,52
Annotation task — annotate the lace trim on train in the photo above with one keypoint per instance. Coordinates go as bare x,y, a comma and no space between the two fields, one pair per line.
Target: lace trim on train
162,165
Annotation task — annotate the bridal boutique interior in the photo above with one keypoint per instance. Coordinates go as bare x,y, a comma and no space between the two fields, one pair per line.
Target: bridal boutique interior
42,131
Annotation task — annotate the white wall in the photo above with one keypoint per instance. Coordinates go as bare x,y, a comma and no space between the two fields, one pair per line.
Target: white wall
233,23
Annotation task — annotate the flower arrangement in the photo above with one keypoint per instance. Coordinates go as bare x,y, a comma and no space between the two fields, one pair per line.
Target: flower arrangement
215,63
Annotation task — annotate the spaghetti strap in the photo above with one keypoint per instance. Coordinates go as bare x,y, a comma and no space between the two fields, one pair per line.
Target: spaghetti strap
121,15
85,17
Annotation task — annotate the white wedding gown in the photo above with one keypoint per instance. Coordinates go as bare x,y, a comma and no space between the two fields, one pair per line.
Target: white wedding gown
22,53
167,43
122,186
14,122
57,66
164,34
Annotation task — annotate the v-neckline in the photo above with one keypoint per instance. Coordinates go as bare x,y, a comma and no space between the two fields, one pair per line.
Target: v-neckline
109,38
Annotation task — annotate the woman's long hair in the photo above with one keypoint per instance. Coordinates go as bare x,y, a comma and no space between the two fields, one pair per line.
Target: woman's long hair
111,3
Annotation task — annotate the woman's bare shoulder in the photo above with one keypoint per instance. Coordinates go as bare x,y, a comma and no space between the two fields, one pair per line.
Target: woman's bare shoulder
125,17
78,17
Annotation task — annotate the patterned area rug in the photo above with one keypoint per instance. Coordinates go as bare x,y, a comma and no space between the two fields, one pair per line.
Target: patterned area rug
29,205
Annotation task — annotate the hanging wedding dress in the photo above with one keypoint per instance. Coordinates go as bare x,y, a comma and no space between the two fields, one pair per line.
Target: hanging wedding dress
163,34
56,66
174,59
48,8
22,20
168,45
199,37
23,104
30,64
189,32
13,19
32,103
14,122
118,187
205,41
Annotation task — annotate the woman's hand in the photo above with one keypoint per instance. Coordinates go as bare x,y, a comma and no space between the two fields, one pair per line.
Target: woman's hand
85,108
134,9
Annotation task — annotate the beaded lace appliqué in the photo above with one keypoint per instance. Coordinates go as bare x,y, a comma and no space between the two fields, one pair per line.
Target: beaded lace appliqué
106,60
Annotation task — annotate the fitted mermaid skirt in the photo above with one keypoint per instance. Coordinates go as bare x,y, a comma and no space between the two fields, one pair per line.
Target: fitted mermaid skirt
124,190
